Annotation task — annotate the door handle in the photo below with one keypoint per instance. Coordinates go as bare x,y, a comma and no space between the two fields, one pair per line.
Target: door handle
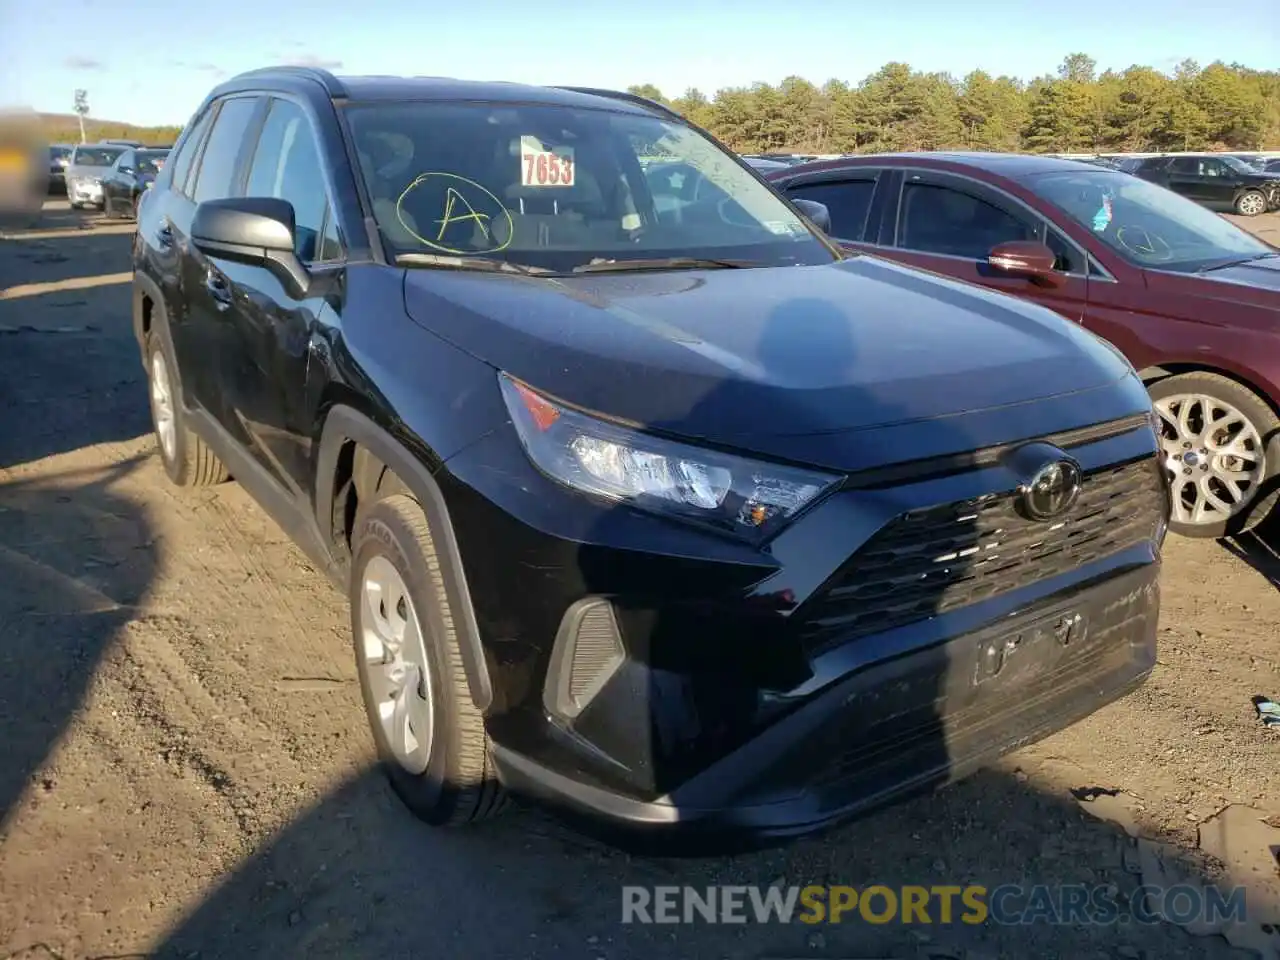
216,284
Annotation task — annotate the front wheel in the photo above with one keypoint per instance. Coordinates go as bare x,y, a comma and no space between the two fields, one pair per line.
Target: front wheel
1215,439
1251,203
429,735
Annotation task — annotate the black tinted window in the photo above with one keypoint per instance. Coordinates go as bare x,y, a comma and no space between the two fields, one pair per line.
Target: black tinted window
190,147
218,163
1187,165
937,219
287,166
848,202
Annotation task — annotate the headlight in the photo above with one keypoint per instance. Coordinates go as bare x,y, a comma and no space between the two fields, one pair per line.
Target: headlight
746,498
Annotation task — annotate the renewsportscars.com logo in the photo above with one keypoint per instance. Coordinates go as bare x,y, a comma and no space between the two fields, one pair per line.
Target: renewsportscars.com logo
941,904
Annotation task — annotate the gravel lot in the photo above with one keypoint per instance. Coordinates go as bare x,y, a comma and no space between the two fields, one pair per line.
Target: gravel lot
187,771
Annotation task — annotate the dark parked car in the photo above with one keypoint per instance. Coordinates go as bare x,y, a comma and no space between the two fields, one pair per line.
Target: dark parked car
90,162
1192,300
671,515
1219,182
132,175
59,160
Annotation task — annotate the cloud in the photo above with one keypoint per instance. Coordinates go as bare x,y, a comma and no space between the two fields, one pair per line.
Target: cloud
311,60
83,63
202,66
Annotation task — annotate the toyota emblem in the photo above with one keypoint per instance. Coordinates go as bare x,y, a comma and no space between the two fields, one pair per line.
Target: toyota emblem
1051,490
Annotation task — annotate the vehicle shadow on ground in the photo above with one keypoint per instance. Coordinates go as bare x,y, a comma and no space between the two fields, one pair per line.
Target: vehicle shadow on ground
1260,548
355,876
76,560
69,377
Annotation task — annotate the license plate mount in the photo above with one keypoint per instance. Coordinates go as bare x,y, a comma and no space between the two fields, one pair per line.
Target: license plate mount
1029,651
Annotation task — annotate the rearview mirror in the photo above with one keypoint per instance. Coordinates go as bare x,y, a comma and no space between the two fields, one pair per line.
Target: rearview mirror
815,212
1025,258
255,230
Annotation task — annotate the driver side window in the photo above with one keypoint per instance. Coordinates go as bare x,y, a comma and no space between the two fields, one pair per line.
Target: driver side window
943,220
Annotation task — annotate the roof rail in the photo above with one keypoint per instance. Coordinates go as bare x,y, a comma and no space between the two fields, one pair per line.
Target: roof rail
623,95
326,79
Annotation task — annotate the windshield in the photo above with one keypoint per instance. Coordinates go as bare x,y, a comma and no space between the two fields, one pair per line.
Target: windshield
1144,223
1239,165
150,161
560,187
95,156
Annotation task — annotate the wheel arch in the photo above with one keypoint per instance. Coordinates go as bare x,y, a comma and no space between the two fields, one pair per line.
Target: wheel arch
1249,381
355,449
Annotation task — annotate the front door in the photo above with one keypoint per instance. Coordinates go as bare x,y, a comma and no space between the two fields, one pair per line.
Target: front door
265,353
199,334
950,224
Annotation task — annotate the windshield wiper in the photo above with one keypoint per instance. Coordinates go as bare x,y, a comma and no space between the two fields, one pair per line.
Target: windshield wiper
664,263
448,262
1236,263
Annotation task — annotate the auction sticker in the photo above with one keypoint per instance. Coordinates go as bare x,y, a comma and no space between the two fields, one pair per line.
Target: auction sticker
540,167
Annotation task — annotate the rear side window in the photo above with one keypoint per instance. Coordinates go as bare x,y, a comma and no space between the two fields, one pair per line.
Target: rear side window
938,219
287,166
187,155
218,163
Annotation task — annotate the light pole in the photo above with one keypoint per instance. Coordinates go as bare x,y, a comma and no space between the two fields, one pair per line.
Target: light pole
82,109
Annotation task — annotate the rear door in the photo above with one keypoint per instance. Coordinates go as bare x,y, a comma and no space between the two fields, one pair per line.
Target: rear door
1185,176
949,224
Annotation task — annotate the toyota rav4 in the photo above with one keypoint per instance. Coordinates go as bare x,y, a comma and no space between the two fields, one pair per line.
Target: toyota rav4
649,501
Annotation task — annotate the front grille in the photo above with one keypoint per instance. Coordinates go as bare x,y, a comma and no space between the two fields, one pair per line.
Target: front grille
929,561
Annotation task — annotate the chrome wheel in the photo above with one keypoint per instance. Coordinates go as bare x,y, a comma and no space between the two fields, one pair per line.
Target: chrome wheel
1253,204
162,406
1214,456
395,660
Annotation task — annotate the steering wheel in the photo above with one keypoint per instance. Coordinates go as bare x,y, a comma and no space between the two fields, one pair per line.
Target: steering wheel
722,210
1144,244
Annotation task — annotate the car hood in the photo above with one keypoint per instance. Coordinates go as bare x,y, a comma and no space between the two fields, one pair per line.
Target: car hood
772,358
1256,282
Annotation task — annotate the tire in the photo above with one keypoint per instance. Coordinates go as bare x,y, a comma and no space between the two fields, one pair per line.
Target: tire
186,457
1251,203
450,781
1254,427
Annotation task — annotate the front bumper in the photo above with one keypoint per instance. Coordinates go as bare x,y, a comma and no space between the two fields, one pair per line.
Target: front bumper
660,681
890,730
82,192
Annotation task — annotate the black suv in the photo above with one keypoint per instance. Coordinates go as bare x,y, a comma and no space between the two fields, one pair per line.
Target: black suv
649,502
1216,181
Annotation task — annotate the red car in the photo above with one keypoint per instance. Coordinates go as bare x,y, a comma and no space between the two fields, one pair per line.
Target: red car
1189,298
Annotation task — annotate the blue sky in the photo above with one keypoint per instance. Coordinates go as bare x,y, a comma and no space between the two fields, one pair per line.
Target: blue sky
151,61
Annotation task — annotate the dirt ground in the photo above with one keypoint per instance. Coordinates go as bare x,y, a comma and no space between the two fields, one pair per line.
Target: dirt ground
186,769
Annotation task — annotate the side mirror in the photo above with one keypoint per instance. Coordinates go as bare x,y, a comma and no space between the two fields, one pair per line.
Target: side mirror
1025,258
815,212
259,231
